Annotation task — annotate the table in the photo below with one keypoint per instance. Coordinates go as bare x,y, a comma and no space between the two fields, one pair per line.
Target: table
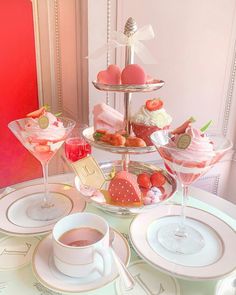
22,281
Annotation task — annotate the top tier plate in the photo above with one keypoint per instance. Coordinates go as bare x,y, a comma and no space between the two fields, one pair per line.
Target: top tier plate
148,87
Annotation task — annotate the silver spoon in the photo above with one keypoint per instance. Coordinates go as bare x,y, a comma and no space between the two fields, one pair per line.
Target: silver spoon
125,275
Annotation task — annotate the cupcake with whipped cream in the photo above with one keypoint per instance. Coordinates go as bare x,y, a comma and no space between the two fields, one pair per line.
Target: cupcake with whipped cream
150,118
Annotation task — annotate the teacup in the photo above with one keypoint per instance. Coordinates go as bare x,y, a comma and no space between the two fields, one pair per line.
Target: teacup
81,245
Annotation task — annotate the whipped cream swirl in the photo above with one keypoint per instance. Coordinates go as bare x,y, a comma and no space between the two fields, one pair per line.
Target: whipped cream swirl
200,148
158,118
54,131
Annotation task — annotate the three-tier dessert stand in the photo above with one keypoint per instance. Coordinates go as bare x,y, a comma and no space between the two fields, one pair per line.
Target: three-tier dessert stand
125,163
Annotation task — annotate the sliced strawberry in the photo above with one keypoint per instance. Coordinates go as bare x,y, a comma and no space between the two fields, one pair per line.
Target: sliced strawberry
32,139
181,129
157,179
102,131
36,114
42,148
154,104
55,123
143,180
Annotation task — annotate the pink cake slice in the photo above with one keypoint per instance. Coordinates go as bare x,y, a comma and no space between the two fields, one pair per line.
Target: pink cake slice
124,189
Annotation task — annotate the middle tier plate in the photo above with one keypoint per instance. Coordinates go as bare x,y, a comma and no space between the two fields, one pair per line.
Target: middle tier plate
88,136
102,199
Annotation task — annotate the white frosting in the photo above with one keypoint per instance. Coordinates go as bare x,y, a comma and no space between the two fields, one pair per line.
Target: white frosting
54,131
158,118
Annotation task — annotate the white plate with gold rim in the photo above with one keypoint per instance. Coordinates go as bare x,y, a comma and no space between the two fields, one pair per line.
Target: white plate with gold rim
48,275
13,206
216,259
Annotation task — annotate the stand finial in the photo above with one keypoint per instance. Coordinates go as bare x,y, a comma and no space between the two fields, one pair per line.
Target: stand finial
130,27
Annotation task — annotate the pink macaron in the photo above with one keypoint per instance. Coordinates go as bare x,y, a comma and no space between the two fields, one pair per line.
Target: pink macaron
133,74
110,76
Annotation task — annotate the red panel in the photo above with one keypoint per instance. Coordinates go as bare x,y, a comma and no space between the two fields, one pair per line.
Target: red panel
18,88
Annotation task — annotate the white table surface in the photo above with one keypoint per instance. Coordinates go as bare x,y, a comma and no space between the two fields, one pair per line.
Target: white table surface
200,199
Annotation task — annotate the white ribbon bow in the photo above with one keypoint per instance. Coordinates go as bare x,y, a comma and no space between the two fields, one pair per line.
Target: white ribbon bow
119,39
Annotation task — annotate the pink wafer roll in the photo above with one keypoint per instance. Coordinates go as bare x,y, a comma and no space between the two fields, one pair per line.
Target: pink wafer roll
105,117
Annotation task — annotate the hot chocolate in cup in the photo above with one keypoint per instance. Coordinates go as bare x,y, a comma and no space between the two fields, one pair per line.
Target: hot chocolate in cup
81,245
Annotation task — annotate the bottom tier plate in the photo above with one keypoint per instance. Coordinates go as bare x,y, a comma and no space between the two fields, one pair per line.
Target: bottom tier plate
102,200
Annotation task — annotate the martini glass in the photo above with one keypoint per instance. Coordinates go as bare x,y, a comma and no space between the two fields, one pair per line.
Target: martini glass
43,143
178,236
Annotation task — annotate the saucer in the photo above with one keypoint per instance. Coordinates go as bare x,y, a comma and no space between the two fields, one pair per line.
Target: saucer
14,220
226,286
148,281
48,275
16,252
215,260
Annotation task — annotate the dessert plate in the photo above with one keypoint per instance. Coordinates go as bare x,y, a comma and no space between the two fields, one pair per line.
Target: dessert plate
88,136
48,275
101,199
216,259
13,206
155,84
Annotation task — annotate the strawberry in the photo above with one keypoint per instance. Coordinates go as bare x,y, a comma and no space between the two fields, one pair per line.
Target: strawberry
157,179
154,104
36,114
42,148
143,180
181,129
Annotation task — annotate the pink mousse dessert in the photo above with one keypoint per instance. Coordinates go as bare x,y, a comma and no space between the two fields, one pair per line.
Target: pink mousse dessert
151,117
44,132
189,153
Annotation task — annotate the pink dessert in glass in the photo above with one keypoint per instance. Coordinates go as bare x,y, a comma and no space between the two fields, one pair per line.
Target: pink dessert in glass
42,134
43,142
188,153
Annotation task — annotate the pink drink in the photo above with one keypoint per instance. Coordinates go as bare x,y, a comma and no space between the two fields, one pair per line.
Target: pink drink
76,148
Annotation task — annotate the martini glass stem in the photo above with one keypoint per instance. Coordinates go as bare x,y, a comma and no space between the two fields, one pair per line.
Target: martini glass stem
181,231
183,204
46,203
